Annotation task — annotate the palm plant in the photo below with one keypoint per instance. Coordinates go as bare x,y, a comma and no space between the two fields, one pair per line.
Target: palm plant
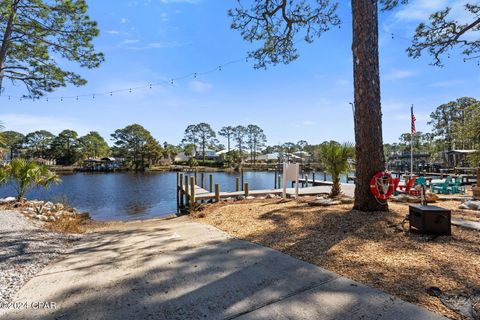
26,174
334,157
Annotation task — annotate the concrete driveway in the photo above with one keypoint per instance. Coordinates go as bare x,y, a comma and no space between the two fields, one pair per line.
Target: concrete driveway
179,269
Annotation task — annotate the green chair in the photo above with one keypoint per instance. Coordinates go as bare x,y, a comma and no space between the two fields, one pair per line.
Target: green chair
456,186
444,187
421,181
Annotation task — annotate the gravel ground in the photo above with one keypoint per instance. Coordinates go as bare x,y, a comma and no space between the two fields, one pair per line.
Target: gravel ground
25,249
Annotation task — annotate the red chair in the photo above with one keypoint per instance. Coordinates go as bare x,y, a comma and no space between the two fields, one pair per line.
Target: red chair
408,185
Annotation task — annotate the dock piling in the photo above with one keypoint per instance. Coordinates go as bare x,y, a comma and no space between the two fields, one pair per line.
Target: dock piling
211,183
187,198
217,192
237,184
181,190
202,180
279,181
192,192
245,188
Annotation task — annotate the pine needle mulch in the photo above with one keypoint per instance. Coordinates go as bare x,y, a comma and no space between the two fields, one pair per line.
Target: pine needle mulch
368,247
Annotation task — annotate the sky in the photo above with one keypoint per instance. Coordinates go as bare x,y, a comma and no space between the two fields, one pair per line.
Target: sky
152,41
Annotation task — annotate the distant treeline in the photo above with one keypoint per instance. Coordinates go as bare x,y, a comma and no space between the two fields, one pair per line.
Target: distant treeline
139,149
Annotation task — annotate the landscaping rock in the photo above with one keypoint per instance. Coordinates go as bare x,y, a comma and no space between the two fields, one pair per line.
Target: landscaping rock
347,200
250,198
471,205
270,196
241,198
323,203
8,200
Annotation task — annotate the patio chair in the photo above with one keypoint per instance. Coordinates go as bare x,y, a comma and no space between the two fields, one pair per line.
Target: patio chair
456,186
408,185
417,191
444,187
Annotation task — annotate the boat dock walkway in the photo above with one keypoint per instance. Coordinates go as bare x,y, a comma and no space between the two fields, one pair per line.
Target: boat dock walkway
188,192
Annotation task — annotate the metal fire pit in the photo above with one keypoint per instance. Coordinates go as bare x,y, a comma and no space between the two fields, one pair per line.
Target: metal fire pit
430,220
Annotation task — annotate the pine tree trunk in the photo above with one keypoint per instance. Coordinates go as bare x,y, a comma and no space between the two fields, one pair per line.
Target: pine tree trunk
368,114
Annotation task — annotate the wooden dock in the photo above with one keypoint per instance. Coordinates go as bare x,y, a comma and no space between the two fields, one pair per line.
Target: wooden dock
189,193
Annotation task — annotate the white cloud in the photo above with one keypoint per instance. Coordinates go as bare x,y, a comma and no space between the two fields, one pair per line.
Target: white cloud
113,32
399,74
445,84
130,41
28,123
200,86
123,20
420,10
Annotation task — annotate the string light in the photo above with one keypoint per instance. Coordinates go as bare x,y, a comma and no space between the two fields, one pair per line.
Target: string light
195,76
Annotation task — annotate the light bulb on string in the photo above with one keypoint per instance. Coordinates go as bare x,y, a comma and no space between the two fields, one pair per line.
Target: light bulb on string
111,94
171,82
130,90
219,68
150,86
195,75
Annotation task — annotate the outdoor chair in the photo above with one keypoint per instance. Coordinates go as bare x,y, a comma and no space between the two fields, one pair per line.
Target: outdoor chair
417,191
457,186
444,187
408,185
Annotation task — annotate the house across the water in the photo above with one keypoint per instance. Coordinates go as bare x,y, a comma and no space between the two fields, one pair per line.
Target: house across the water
107,164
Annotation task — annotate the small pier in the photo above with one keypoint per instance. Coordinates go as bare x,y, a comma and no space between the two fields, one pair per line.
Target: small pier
190,191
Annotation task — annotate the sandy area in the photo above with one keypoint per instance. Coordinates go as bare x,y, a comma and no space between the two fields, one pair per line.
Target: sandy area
368,247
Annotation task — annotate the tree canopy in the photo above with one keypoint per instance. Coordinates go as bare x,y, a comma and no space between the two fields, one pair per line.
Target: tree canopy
92,145
131,143
37,34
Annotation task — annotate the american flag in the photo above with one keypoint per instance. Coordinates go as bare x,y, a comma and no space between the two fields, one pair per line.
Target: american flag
414,131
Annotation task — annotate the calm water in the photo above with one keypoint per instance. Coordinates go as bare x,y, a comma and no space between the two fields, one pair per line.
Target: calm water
125,196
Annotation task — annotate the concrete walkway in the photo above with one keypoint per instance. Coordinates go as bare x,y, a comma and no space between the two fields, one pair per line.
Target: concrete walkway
179,269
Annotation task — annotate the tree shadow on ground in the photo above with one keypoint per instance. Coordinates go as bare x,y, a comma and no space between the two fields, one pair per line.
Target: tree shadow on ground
175,273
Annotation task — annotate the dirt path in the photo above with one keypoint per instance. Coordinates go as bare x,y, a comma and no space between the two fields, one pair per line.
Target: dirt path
179,269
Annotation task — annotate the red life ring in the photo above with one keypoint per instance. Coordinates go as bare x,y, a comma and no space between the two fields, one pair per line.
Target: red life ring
378,185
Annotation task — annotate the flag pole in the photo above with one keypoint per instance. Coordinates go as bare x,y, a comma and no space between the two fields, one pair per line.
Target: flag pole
411,144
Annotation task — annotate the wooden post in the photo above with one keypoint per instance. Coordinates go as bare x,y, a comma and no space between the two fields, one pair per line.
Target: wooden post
192,192
202,180
237,184
245,188
178,191
279,181
275,179
313,178
181,190
217,192
324,176
187,198
306,180
195,179
211,183
242,178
